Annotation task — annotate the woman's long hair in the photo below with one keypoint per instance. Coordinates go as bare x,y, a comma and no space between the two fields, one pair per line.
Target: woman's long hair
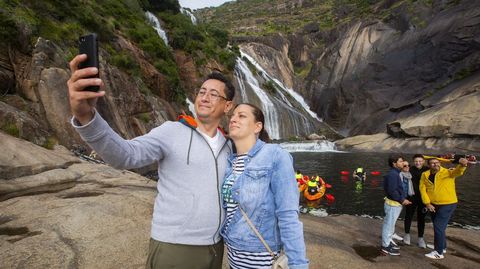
259,117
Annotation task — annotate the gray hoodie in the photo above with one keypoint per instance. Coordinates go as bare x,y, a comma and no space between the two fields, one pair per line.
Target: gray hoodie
187,207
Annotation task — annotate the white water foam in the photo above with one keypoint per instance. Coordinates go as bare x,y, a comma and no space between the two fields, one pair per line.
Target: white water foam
312,146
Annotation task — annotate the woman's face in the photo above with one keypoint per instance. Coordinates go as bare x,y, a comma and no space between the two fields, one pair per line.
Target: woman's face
405,167
243,123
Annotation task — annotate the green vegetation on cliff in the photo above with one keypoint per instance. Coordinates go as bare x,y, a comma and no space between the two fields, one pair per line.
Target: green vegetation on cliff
265,17
63,21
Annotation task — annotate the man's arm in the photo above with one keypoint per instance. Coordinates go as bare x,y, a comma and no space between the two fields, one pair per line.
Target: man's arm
459,170
94,130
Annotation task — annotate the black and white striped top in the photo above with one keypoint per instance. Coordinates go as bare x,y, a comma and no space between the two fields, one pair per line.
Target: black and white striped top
238,259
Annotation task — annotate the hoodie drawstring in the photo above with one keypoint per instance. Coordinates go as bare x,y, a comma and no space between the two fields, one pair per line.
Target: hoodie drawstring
189,147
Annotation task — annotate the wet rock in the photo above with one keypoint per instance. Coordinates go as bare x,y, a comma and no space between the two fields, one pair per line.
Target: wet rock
316,137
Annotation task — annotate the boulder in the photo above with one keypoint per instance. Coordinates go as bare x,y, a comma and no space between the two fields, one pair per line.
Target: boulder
73,215
456,118
316,137
19,158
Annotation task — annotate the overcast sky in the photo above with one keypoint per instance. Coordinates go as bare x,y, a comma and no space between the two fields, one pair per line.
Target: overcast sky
194,4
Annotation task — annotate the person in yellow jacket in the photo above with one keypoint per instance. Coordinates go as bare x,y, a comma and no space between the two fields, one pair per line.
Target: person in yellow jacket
437,188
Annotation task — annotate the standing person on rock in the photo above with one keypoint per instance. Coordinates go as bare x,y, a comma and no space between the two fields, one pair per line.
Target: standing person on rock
186,223
395,198
417,204
437,187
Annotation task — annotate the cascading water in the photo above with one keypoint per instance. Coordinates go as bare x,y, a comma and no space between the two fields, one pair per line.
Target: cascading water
156,25
240,80
291,92
285,115
268,108
190,14
191,107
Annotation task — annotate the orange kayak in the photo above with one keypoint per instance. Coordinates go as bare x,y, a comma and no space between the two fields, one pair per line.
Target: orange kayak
316,196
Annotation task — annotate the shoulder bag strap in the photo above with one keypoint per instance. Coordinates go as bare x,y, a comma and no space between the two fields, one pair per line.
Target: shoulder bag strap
256,232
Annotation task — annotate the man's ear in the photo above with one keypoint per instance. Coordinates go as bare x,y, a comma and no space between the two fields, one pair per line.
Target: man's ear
228,106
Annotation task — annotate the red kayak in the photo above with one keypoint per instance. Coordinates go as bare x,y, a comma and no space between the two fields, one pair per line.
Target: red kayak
344,172
375,173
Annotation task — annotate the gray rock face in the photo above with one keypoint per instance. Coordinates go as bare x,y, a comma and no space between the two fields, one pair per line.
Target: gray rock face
375,73
361,76
38,106
59,212
382,142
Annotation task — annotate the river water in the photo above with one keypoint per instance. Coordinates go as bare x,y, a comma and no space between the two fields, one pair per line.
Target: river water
366,199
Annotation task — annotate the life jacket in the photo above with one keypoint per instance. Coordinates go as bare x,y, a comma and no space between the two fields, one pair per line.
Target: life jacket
312,184
312,187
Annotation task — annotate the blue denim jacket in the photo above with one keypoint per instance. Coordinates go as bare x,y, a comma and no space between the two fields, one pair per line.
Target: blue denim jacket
267,191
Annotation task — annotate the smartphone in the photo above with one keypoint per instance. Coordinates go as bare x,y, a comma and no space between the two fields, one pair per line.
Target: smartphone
88,44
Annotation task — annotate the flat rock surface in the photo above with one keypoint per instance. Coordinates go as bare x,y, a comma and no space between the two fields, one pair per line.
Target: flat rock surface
83,215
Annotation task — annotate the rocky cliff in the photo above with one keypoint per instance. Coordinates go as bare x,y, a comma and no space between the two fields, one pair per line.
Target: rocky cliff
147,81
37,107
411,65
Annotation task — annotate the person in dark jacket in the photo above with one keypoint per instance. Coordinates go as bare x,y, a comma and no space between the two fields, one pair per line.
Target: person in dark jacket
417,204
395,198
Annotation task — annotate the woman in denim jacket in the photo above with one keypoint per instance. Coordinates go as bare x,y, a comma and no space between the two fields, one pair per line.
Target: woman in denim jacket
261,180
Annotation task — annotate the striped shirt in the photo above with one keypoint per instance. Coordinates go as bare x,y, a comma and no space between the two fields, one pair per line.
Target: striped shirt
238,259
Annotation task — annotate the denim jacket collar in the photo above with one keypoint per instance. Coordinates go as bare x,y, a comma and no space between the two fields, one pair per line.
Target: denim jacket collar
258,145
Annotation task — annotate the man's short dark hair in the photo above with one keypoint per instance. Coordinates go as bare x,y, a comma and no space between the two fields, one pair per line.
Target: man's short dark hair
393,159
229,88
418,156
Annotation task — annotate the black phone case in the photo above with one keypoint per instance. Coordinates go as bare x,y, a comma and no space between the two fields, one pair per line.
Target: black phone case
88,45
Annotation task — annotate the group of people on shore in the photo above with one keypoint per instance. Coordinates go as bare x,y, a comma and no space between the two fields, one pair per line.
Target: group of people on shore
241,191
424,187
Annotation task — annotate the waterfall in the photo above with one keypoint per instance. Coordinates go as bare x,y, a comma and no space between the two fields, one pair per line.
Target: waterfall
240,79
191,107
268,108
291,92
156,25
313,146
190,14
285,116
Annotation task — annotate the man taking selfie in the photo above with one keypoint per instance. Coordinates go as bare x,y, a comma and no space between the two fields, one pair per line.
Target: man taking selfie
185,224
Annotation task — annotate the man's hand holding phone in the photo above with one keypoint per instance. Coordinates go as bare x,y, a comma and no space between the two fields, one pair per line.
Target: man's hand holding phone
84,82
